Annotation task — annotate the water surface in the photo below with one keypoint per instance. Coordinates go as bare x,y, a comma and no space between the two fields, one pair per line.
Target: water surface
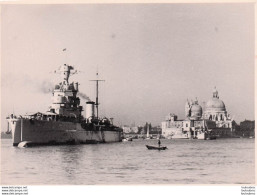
221,161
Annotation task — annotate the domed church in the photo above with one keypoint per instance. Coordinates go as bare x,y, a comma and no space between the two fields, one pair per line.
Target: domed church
215,110
200,123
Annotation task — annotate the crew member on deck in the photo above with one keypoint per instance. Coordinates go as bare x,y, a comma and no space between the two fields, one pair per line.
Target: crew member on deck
159,142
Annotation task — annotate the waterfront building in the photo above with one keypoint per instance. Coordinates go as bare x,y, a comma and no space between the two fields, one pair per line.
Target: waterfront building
130,129
209,123
134,129
126,129
246,129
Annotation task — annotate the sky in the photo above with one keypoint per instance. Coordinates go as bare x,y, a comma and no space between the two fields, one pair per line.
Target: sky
151,56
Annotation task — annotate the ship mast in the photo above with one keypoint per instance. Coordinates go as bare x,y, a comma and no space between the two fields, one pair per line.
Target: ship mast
97,92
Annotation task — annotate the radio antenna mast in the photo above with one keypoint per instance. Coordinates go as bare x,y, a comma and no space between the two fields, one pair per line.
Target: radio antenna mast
97,92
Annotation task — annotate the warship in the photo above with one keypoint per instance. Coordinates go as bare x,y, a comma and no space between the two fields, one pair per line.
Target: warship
63,122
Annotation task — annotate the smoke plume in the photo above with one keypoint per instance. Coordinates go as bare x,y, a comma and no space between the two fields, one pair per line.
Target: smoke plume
83,96
46,87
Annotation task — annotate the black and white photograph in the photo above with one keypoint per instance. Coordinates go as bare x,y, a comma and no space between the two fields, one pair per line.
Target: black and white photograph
128,94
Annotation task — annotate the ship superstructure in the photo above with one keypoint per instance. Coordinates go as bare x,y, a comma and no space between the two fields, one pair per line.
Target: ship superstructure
63,123
65,100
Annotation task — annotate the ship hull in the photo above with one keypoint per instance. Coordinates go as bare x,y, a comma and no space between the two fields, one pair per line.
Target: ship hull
38,132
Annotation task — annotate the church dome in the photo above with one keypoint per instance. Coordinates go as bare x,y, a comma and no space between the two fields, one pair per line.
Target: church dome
215,104
196,108
196,111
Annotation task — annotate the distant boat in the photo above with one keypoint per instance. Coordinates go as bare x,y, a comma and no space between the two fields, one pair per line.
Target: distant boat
127,139
156,147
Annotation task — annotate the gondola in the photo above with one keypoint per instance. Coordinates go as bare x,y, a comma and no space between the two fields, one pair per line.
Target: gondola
156,147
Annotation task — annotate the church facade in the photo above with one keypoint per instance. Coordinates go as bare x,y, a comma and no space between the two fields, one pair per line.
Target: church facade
208,123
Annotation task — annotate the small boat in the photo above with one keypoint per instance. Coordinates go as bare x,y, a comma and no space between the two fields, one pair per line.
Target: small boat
156,147
127,139
211,138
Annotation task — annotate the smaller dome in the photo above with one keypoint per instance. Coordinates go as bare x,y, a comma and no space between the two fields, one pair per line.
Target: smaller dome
196,108
196,111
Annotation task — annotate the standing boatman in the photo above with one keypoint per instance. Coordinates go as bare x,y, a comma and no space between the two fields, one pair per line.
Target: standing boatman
159,142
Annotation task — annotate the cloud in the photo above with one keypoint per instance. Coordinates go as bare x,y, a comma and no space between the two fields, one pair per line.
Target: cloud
26,82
